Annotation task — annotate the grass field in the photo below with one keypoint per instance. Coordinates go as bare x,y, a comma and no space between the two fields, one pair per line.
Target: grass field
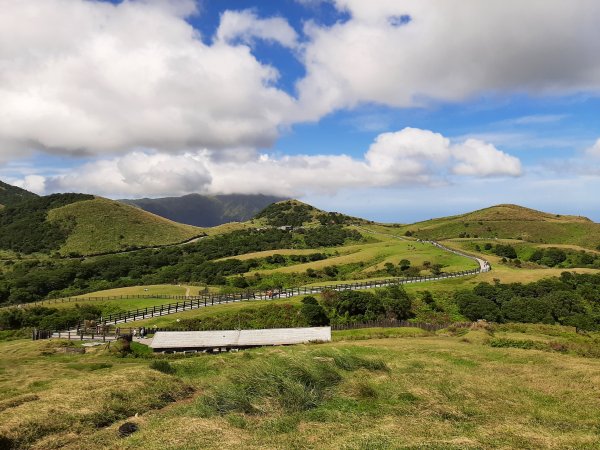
372,256
102,225
171,320
100,297
407,390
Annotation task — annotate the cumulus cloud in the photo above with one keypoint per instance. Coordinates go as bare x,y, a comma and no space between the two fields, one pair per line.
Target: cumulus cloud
245,26
409,156
405,53
93,77
478,158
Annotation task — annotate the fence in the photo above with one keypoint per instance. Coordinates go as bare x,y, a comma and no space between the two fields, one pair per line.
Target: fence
210,300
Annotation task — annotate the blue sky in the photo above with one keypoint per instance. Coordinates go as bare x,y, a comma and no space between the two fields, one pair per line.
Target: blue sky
391,110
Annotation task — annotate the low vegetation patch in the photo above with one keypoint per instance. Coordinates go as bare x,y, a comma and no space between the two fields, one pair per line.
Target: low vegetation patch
284,383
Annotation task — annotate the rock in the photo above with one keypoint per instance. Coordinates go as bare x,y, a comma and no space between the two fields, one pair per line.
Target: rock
127,429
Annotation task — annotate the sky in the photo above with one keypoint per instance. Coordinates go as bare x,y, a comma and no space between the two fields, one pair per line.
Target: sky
392,110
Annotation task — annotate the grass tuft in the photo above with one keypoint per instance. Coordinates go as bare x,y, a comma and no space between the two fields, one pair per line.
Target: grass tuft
286,383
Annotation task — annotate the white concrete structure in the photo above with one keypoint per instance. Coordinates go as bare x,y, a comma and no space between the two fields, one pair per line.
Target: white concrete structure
228,339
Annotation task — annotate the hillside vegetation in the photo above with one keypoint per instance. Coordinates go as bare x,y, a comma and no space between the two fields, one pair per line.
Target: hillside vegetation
99,225
11,195
204,210
24,228
510,222
296,214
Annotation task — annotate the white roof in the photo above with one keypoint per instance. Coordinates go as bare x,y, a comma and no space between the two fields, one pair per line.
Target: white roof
238,338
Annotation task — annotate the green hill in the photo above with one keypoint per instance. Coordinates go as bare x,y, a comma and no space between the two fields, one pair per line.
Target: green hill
204,210
296,213
99,225
511,222
10,195
84,224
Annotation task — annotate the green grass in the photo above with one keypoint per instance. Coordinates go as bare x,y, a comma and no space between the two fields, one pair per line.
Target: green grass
433,391
170,321
372,257
102,225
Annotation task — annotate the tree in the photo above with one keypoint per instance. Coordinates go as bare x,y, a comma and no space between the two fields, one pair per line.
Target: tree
240,282
436,269
474,307
396,302
389,268
404,265
314,313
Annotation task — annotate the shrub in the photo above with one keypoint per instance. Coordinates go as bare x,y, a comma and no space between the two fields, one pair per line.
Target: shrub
314,313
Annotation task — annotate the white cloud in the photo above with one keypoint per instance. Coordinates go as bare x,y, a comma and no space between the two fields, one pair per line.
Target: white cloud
477,158
138,174
407,157
449,50
92,77
246,26
594,150
33,183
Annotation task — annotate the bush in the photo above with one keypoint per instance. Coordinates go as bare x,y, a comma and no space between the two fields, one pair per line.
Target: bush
507,251
313,313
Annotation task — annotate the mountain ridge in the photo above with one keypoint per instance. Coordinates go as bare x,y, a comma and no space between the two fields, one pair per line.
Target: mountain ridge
206,210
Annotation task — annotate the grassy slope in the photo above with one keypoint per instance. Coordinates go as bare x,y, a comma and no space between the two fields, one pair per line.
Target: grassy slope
511,221
439,392
373,255
103,225
10,195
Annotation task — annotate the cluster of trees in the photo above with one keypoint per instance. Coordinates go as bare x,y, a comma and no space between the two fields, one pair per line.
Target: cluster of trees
278,259
46,318
334,218
553,257
359,306
24,228
335,307
286,213
549,257
31,280
329,236
405,269
573,299
505,251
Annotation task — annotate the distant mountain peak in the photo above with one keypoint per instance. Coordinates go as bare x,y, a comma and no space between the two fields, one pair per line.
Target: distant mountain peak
206,210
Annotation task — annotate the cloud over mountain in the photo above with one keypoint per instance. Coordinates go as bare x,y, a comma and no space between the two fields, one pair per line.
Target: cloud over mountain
409,156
